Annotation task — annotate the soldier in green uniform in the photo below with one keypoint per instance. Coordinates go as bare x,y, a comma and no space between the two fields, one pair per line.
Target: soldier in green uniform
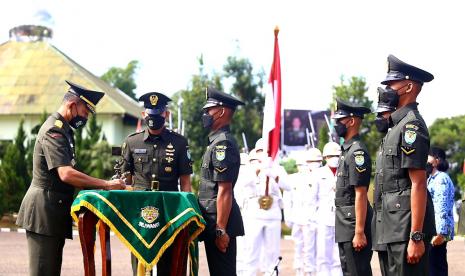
386,105
353,211
45,209
157,159
219,172
407,211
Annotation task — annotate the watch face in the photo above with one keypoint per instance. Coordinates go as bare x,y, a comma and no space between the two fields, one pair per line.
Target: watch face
219,232
417,236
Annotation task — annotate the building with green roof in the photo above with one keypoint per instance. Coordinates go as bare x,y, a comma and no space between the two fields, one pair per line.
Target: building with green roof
32,81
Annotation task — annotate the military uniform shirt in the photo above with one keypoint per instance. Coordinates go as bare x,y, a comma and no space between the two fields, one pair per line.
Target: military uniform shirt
46,206
220,163
354,170
161,158
377,214
405,147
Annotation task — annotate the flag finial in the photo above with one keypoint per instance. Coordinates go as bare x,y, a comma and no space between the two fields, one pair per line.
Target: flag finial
276,30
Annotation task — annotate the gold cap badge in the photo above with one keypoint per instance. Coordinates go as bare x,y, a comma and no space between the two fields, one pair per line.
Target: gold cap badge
154,99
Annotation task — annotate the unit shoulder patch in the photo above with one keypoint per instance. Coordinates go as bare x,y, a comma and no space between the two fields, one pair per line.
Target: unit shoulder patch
410,136
220,155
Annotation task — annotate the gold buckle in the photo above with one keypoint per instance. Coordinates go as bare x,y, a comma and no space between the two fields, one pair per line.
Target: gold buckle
155,185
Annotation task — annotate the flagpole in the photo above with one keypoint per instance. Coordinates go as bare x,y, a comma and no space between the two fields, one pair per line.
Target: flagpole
272,118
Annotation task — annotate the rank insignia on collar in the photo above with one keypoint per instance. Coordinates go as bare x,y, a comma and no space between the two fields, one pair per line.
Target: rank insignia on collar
149,214
410,136
58,124
153,100
220,155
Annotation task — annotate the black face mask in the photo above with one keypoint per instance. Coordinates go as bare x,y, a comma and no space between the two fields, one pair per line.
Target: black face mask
78,121
341,129
155,122
429,169
393,96
207,119
382,125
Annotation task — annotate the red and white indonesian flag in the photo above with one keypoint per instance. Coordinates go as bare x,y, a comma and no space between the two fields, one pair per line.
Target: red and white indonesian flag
272,110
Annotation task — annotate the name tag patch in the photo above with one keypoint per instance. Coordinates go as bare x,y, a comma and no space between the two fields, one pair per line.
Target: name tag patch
140,150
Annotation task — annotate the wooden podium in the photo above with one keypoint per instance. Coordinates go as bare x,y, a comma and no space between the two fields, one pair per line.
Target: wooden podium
88,218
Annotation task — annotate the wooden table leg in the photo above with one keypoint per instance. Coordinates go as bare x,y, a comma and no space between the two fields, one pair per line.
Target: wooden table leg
104,233
86,225
179,254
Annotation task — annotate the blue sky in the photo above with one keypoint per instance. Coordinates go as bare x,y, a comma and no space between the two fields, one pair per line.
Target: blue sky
319,41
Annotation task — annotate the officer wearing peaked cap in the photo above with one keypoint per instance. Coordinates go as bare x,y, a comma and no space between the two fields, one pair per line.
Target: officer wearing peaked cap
399,70
157,159
407,211
219,173
386,105
353,211
45,209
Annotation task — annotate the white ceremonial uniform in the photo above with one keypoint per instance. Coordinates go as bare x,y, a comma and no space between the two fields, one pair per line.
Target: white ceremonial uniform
245,186
327,252
300,208
263,227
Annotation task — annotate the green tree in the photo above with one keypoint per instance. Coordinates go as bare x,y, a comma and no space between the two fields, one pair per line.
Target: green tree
123,78
447,133
355,91
84,149
14,177
32,140
323,137
246,86
101,160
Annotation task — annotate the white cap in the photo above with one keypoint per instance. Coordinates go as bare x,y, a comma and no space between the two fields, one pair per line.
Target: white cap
253,155
313,154
331,148
259,145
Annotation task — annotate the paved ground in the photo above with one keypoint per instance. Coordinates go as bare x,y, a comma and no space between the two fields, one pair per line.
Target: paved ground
14,257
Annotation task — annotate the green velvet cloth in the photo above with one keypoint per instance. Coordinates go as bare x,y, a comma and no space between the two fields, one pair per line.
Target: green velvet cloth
146,222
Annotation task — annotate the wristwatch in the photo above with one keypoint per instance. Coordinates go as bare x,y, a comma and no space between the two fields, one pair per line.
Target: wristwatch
417,236
220,232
